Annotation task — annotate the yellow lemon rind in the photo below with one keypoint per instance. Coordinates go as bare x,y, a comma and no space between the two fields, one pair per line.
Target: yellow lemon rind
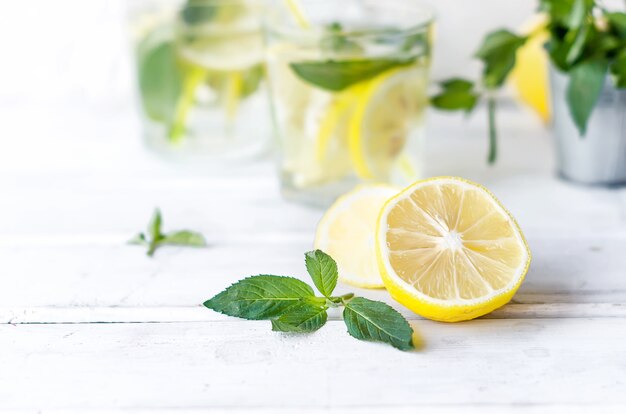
438,309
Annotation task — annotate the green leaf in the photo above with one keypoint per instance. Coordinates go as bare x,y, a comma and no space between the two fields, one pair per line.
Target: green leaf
577,14
198,11
586,81
376,321
618,23
337,75
456,95
155,238
497,43
260,297
576,50
457,85
303,317
323,270
184,238
618,70
160,79
154,228
154,231
568,13
498,54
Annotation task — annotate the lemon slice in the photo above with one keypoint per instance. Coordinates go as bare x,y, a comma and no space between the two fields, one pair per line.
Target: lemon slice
449,251
347,230
387,111
333,128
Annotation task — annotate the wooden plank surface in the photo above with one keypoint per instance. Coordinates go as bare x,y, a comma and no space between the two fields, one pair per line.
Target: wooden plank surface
243,364
88,323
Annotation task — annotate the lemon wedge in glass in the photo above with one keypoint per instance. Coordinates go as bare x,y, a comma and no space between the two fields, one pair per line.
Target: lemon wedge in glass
448,250
346,232
387,110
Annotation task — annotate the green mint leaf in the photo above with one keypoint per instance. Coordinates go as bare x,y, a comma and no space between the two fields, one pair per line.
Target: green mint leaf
498,43
303,317
586,81
617,21
457,85
154,228
498,55
139,239
154,237
184,238
618,70
160,79
577,14
456,94
580,40
323,270
260,297
198,11
376,321
338,75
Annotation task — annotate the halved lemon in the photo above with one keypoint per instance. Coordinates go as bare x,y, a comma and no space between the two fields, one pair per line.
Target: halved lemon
448,250
387,110
346,232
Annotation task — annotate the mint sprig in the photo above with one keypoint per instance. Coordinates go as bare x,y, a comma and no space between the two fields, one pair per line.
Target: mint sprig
586,42
155,238
292,306
498,53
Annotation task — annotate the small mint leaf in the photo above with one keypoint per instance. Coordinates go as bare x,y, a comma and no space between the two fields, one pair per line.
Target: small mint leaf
154,227
376,321
303,317
323,270
184,238
260,297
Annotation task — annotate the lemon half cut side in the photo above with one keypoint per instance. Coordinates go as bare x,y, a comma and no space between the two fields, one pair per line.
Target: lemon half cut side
347,230
448,250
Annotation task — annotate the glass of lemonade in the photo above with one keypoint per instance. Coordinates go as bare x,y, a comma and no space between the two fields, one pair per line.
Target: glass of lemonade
200,76
348,86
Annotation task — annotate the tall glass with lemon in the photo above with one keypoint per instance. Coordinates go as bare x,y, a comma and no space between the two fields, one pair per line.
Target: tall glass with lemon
348,86
200,75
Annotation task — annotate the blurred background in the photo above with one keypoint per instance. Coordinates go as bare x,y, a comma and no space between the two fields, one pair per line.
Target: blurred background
77,52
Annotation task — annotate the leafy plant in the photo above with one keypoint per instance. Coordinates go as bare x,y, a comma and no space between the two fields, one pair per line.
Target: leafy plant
586,42
292,306
155,238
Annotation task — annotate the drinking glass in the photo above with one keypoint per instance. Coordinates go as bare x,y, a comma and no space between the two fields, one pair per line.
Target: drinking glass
200,74
347,82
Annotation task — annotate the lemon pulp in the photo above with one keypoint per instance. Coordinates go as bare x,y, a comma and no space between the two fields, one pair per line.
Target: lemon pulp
449,251
347,232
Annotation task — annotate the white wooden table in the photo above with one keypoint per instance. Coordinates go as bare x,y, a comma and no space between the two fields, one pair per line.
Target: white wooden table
90,323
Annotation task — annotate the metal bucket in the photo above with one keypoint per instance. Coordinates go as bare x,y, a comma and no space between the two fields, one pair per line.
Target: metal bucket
599,157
